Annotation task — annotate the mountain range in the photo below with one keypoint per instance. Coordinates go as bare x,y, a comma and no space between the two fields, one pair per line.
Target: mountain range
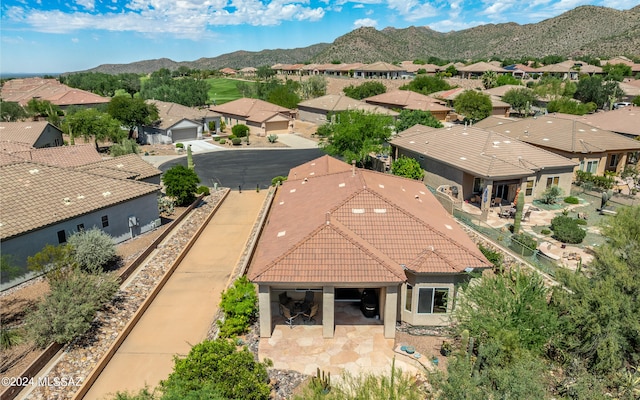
585,30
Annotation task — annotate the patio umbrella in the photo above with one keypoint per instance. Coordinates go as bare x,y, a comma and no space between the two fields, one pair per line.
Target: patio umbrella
485,195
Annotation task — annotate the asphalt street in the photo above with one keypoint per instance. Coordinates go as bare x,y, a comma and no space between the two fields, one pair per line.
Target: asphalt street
246,168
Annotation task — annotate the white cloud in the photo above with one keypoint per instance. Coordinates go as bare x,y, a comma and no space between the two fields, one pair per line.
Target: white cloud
75,40
180,18
359,6
412,10
448,25
365,22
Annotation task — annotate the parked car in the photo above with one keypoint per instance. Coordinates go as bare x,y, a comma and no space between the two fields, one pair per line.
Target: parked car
621,104
369,303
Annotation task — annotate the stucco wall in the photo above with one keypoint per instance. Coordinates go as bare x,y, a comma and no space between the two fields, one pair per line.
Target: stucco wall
145,209
428,281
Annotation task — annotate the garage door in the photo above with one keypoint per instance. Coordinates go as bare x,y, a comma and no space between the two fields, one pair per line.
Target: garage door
278,126
184,134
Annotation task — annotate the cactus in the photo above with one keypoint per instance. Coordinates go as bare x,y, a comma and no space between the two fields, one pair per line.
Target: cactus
518,216
322,381
190,164
464,339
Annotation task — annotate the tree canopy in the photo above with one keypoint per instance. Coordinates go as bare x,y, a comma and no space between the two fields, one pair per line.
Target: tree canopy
181,182
90,123
475,106
364,90
132,112
520,99
409,118
187,91
594,89
426,84
355,134
11,111
407,167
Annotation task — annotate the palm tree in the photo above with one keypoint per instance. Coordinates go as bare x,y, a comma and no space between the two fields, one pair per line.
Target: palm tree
489,79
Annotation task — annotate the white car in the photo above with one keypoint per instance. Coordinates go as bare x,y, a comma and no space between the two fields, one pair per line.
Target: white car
621,104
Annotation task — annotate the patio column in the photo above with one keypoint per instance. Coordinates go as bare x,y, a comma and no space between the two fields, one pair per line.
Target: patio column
328,310
390,312
264,304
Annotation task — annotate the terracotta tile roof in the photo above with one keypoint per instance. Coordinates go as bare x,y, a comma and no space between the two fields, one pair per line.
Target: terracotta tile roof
570,66
62,156
501,90
380,66
339,102
38,195
6,158
172,113
409,100
23,90
320,166
625,120
22,131
245,107
481,67
129,166
8,146
478,151
357,227
264,116
564,134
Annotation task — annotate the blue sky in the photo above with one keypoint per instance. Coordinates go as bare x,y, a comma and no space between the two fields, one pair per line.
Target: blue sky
72,35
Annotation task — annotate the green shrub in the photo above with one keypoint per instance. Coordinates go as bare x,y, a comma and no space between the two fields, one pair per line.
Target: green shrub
581,222
278,180
216,139
236,141
126,146
551,194
231,137
567,230
545,231
219,367
240,130
494,257
223,141
203,190
181,182
571,200
240,306
70,307
93,249
595,181
180,145
524,244
9,337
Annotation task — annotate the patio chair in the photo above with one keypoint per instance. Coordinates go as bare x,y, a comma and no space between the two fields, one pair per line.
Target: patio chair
312,313
526,215
496,201
288,318
504,212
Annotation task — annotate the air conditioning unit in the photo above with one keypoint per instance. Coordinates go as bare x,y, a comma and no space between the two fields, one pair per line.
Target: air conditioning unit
133,221
157,223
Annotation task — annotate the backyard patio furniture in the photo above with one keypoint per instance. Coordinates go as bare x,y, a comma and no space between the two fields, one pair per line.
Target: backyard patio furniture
312,313
496,201
288,317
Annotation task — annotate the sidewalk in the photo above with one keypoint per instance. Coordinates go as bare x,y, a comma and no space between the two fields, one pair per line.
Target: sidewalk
182,313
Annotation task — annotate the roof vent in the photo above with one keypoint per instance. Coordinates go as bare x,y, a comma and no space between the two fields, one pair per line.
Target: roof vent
380,210
106,194
448,226
292,190
357,210
34,171
80,197
282,202
282,233
342,185
311,173
66,201
381,186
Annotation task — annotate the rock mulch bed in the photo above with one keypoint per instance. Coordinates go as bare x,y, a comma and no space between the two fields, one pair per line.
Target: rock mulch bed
82,355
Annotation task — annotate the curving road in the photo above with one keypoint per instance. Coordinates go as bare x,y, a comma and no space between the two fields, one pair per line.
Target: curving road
246,168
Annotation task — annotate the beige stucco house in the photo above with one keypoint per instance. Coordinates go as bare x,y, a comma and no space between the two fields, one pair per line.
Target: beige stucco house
36,134
409,100
333,229
472,164
317,110
262,118
593,149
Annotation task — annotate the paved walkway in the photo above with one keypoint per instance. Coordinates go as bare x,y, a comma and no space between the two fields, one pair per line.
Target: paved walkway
296,141
183,311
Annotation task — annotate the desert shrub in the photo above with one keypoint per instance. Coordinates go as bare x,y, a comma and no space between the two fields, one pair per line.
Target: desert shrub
551,194
9,337
236,141
581,222
272,138
545,231
571,200
567,230
203,190
240,130
126,146
166,204
278,180
596,181
180,145
216,139
223,141
240,306
523,243
494,257
231,137
92,249
181,182
70,307
220,368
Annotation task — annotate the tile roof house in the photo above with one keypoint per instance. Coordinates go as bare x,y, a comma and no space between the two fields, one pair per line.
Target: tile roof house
332,227
23,90
625,120
379,69
36,134
43,204
61,156
129,166
177,123
409,100
476,70
463,162
316,110
596,150
570,69
499,107
263,118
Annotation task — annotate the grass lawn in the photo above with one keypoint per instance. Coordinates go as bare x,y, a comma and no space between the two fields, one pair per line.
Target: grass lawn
224,90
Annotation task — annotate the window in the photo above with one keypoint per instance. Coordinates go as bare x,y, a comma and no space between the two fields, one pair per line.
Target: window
553,181
613,161
529,190
62,237
80,227
432,300
408,299
589,166
477,185
105,221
